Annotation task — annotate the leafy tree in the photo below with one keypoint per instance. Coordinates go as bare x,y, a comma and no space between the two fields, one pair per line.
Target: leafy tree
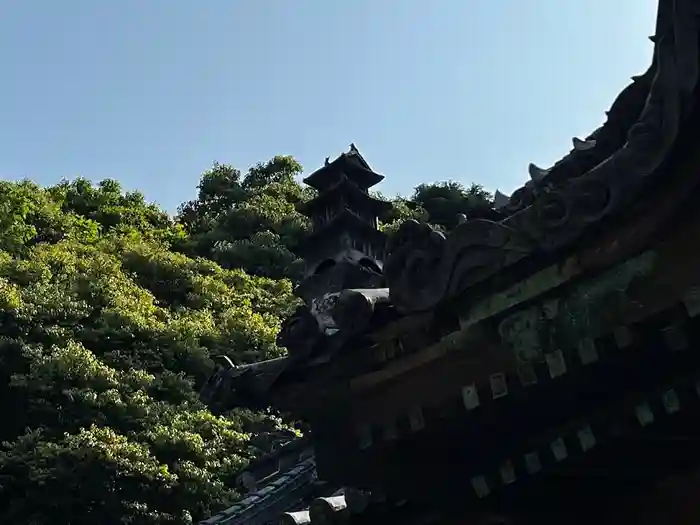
444,201
401,210
248,222
219,190
107,333
110,314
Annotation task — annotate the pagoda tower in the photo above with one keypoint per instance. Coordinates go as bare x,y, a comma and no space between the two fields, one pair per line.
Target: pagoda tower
345,227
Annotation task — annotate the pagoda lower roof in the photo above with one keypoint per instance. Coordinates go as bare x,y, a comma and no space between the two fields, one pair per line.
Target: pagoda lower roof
348,164
346,220
348,191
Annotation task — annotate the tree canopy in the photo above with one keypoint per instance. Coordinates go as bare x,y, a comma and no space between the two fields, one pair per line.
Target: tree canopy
111,313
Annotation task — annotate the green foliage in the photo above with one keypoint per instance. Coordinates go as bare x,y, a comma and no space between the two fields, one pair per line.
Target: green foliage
248,222
402,209
107,333
444,201
110,313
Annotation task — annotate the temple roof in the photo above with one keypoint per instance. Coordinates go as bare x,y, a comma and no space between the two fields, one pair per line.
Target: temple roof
352,195
295,497
596,182
577,199
352,164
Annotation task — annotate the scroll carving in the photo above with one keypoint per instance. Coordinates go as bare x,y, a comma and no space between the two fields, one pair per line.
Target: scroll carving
425,266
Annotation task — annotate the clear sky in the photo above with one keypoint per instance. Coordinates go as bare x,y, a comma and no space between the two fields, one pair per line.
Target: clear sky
150,92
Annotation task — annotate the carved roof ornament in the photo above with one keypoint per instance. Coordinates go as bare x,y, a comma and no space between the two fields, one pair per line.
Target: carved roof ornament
583,145
355,308
500,200
426,267
537,174
234,385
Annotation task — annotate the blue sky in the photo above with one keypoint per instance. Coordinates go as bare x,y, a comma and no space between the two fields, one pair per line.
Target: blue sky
150,92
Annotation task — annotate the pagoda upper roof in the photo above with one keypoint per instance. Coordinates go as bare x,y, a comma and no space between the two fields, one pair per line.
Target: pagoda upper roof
345,221
350,192
352,164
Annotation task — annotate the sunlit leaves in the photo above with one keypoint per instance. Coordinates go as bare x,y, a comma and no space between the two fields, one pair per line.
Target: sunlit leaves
248,222
95,475
105,335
